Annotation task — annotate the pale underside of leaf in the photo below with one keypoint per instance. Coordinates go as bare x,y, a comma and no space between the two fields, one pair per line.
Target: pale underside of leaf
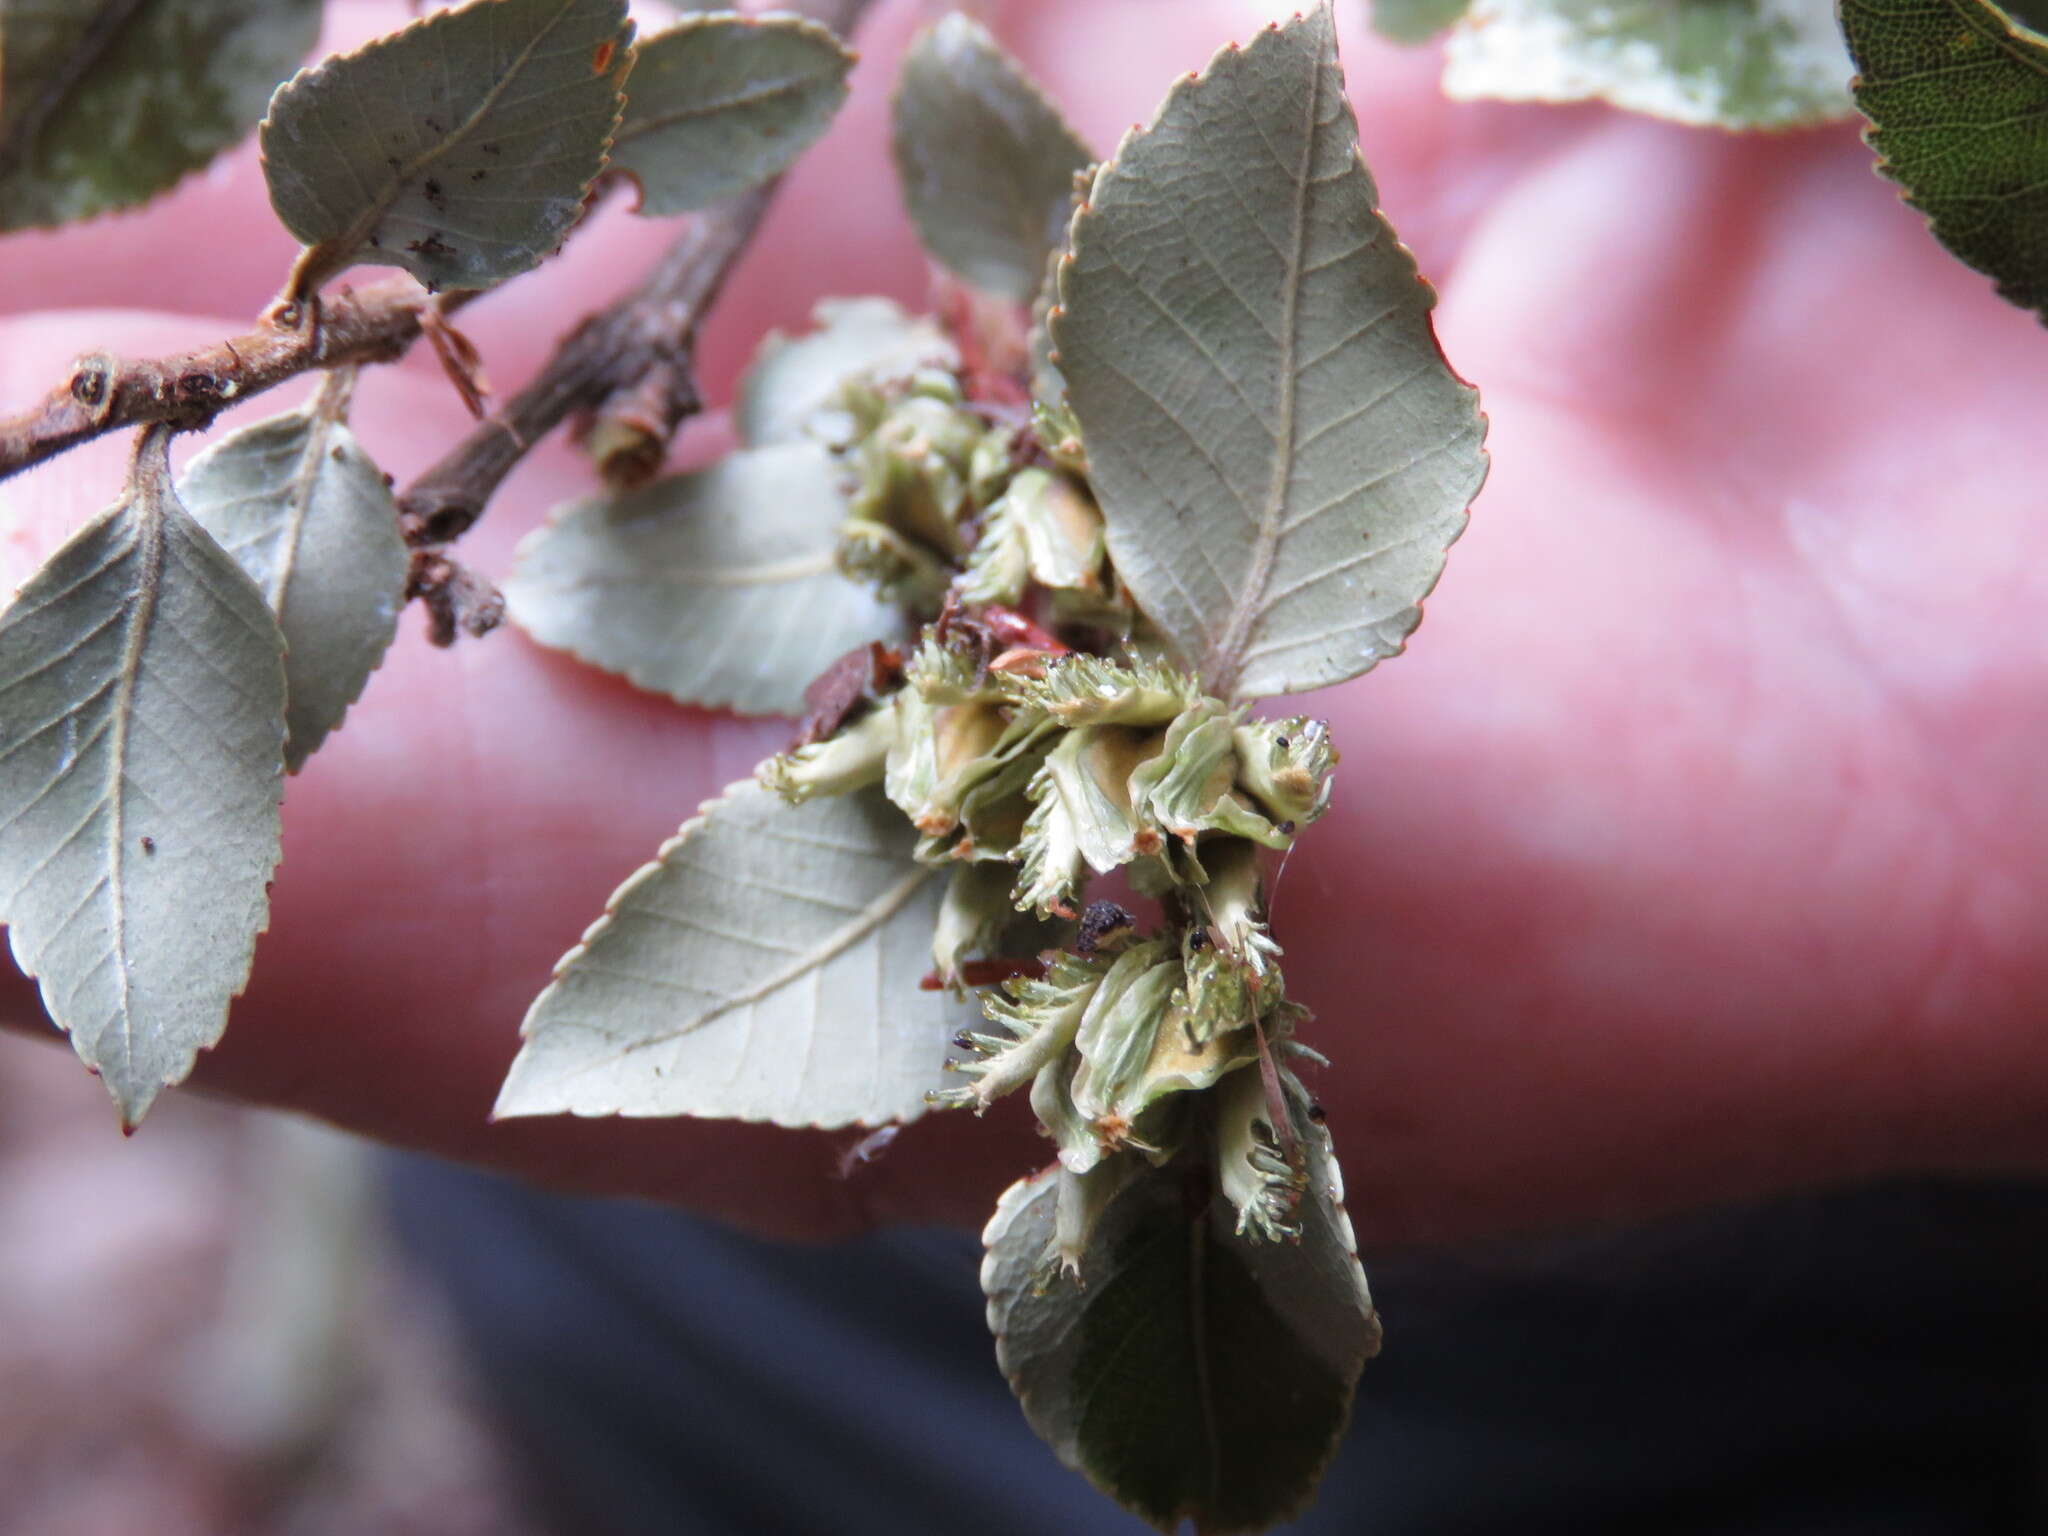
141,766
721,103
1190,1373
793,377
716,587
986,162
1281,453
310,517
763,968
1718,63
458,148
104,103
1957,94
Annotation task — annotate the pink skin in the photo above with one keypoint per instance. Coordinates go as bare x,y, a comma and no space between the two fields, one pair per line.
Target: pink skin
1699,851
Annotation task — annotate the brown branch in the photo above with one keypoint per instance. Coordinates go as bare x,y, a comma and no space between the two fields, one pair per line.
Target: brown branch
187,390
628,366
646,335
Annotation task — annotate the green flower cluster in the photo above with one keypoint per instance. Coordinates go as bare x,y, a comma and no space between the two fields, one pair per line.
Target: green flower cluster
1028,768
923,468
1026,775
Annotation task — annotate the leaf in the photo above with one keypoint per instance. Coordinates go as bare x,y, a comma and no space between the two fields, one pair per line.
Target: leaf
716,587
105,103
792,379
1717,63
1281,453
762,968
1189,1373
141,764
307,514
1415,21
1957,94
1048,389
459,147
721,103
986,162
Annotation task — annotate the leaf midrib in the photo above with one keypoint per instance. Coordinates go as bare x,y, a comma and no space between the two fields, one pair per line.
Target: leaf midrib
633,128
1225,658
150,542
769,574
873,915
316,260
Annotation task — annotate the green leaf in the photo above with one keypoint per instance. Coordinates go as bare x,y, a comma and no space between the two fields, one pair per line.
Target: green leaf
792,379
105,103
1191,1374
986,162
1957,95
459,147
721,103
1415,21
307,514
1048,389
1717,63
141,764
762,968
716,588
1281,453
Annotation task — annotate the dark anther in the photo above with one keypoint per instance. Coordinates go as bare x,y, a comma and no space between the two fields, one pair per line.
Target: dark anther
1098,920
1198,939
89,385
1280,742
1316,1112
1287,829
963,1041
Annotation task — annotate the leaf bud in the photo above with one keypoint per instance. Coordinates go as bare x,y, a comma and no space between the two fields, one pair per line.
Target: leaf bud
852,758
1081,812
1252,1168
1285,766
1079,689
1039,1017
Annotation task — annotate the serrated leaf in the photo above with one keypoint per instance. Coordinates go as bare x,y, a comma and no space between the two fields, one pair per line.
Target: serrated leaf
311,518
459,147
1415,21
1957,95
716,587
1189,1373
762,968
141,765
105,103
793,378
1048,389
986,162
1716,63
1281,453
719,104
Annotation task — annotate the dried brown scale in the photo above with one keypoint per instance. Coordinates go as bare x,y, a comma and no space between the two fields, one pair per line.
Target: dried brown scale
861,676
457,600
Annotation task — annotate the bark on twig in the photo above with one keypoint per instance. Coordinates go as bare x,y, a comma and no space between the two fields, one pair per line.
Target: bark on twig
628,367
106,393
629,363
